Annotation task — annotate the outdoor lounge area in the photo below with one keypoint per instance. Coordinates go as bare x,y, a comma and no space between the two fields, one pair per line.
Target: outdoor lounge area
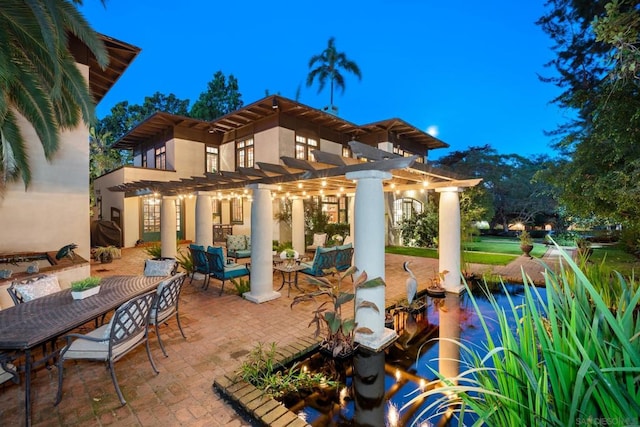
220,329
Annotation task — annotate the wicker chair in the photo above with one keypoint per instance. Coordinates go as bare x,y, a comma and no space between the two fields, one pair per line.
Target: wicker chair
109,343
166,305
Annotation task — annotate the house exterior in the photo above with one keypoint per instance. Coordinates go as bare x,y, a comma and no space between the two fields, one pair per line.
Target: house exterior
54,210
178,150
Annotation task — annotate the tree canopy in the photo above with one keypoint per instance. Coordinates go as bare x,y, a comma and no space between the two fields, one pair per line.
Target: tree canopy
596,45
509,191
39,78
221,97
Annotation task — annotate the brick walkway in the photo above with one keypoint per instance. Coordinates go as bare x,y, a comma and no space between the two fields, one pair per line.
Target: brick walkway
221,331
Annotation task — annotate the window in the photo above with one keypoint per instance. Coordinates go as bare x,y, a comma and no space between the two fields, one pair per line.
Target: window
178,215
144,157
237,216
346,152
403,153
335,208
151,214
244,153
161,157
304,146
212,159
216,211
404,208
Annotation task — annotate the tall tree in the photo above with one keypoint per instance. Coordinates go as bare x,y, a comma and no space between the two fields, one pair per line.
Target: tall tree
39,78
329,63
596,63
221,97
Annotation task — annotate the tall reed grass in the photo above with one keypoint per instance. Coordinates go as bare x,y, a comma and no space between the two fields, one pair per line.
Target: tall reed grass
572,358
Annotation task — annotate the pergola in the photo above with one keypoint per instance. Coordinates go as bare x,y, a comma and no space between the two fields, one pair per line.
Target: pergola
368,176
296,177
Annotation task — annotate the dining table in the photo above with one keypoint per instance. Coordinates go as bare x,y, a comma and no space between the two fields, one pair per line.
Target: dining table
41,321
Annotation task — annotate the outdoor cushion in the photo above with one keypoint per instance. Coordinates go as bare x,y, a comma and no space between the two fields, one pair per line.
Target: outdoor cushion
248,241
162,267
43,285
196,247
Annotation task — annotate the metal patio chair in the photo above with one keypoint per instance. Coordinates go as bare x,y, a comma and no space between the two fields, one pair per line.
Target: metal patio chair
222,270
166,305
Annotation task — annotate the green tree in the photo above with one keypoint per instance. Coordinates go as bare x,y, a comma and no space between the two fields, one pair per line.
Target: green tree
329,63
39,78
509,190
596,62
221,97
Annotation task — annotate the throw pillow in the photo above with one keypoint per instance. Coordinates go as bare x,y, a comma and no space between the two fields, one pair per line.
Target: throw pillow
162,267
41,286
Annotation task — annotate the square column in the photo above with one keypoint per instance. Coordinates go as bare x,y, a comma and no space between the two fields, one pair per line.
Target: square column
369,255
168,229
204,220
261,243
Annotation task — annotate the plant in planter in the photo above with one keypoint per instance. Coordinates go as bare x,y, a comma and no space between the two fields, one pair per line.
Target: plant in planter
339,340
526,243
242,285
106,254
85,288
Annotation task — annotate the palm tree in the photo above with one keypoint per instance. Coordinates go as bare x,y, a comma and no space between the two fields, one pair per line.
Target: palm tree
39,78
330,61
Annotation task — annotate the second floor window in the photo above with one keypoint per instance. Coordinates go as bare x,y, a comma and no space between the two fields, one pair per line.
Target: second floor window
346,151
244,153
161,157
213,159
304,146
144,157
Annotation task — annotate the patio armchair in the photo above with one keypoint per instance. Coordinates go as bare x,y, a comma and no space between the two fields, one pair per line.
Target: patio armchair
319,240
200,263
109,343
222,270
165,305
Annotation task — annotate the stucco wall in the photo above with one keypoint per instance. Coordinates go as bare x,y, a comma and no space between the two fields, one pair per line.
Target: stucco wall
54,210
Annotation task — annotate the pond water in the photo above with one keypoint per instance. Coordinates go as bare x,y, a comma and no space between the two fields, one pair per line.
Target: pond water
377,385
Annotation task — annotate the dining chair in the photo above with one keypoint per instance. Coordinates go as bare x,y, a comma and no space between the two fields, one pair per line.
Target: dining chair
220,269
127,330
200,263
166,305
8,371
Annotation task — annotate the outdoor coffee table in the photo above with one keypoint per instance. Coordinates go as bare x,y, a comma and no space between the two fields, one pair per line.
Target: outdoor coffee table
289,275
40,321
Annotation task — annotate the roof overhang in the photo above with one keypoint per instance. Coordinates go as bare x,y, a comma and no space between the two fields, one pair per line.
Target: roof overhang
121,55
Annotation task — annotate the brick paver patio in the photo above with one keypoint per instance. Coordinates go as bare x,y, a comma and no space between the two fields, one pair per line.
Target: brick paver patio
221,331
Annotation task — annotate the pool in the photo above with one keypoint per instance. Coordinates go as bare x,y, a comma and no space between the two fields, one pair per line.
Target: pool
378,385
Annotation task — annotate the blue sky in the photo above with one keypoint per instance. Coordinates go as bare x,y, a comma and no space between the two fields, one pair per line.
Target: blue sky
468,69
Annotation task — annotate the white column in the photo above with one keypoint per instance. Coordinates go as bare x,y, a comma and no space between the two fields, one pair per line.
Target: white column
297,225
351,217
449,238
204,220
369,255
168,229
261,243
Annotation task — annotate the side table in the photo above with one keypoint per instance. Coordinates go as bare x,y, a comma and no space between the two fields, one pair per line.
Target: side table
289,275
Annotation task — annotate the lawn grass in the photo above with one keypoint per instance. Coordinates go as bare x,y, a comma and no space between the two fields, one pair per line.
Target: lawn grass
616,259
468,257
502,245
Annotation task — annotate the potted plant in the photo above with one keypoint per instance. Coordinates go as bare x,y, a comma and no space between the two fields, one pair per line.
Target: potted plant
106,254
526,243
85,288
339,341
289,256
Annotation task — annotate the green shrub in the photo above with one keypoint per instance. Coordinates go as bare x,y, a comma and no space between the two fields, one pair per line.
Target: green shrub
242,285
154,250
185,260
262,370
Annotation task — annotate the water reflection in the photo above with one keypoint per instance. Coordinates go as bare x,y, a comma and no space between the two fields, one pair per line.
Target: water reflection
368,383
449,321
